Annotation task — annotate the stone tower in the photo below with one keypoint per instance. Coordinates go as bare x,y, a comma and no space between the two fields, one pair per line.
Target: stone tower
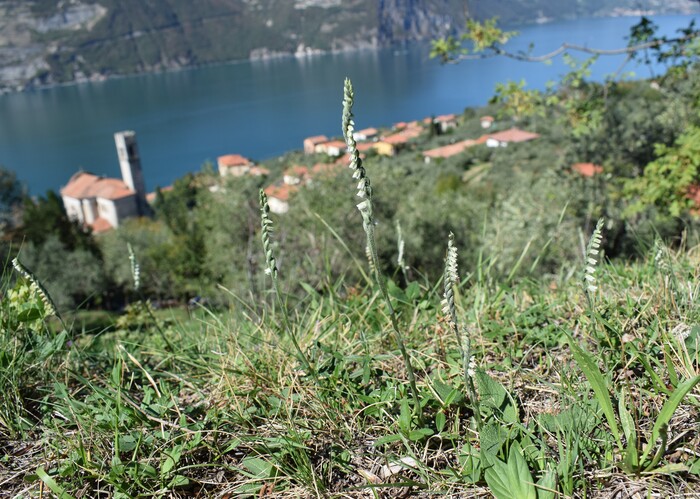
130,165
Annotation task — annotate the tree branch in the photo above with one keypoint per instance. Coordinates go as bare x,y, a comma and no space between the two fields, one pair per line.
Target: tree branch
496,50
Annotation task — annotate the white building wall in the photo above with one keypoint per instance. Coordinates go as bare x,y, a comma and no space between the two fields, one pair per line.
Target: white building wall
107,210
495,143
89,208
74,209
277,205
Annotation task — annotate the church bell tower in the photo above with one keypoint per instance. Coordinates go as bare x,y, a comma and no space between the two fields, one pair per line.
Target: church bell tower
130,164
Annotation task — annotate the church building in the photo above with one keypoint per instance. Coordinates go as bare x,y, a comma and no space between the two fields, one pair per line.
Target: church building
102,203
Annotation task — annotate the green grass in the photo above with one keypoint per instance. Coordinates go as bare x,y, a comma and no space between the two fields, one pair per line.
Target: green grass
232,411
582,383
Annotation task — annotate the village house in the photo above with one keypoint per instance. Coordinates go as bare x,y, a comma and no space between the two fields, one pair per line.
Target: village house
390,145
104,203
412,131
234,164
486,121
310,143
365,134
331,148
512,135
445,122
295,175
587,169
278,197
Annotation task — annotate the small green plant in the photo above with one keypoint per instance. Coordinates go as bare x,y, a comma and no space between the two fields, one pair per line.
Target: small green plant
638,458
29,347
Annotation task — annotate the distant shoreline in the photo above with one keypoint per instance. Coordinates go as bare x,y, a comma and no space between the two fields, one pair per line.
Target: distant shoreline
262,54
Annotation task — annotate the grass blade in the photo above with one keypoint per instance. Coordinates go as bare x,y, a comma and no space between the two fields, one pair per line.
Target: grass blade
600,388
662,420
51,483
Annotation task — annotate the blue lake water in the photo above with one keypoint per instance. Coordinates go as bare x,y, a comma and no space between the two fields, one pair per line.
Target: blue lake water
261,109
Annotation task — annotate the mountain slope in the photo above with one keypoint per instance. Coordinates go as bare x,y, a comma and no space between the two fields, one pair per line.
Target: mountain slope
44,42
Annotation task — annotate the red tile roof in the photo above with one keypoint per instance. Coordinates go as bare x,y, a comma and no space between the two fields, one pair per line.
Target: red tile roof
445,117
85,185
280,192
411,132
296,171
369,132
587,169
233,160
487,118
335,143
316,139
364,146
395,139
449,150
513,135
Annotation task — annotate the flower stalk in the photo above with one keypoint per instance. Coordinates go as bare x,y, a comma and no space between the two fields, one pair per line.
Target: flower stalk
450,280
364,192
271,270
591,261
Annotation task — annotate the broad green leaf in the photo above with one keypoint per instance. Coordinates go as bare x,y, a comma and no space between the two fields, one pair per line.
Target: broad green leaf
29,314
387,439
417,435
471,463
413,291
446,394
491,438
695,467
405,416
510,480
520,478
662,420
440,421
179,481
172,458
127,443
547,485
495,398
496,476
600,388
259,468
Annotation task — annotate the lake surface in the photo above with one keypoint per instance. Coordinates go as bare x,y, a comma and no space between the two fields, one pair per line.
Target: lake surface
261,109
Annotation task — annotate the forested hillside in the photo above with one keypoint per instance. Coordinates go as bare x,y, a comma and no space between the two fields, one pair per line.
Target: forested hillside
45,42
